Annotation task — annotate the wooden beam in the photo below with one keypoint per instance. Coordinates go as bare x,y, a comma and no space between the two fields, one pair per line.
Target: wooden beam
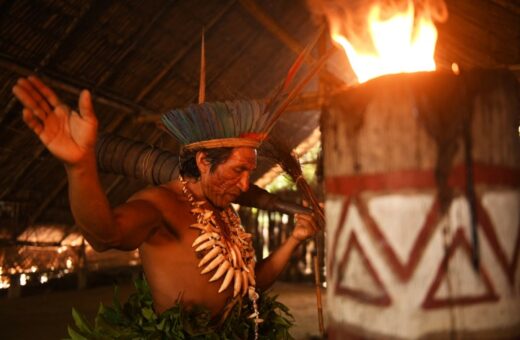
509,5
271,25
72,86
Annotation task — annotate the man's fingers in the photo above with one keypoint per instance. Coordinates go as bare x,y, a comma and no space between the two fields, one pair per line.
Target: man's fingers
308,221
32,101
31,121
29,103
306,217
305,221
86,108
24,97
49,94
39,100
62,111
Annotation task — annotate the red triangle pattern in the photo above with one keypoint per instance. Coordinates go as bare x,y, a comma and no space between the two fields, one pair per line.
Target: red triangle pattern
339,230
358,294
509,267
430,302
403,270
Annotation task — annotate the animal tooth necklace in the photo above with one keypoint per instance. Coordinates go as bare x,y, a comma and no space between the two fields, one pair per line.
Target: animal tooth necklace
229,253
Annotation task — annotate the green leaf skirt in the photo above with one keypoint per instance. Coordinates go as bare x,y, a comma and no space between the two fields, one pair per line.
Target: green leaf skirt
136,319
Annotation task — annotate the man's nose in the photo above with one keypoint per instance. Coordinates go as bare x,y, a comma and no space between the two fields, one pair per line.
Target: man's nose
243,183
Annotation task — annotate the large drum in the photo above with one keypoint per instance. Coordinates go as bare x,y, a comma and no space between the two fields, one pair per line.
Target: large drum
423,234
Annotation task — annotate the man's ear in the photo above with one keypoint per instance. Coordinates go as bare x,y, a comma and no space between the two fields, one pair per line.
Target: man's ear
202,162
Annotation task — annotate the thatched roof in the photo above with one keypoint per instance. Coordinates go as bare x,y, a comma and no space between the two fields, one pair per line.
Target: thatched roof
141,58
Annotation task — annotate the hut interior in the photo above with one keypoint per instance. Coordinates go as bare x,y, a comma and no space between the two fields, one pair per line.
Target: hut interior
142,58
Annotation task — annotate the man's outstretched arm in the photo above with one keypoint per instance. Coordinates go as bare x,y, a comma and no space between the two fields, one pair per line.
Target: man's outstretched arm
124,227
70,136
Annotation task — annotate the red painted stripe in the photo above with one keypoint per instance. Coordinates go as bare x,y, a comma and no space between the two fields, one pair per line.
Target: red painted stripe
421,179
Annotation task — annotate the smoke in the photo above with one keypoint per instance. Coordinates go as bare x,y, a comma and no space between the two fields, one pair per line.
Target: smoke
349,17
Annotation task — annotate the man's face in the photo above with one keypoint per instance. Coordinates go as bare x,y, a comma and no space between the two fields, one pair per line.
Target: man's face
229,179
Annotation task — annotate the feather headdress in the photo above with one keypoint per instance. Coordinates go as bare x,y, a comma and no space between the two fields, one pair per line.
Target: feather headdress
213,125
236,123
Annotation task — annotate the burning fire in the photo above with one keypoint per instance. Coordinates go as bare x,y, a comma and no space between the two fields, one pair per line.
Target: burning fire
387,37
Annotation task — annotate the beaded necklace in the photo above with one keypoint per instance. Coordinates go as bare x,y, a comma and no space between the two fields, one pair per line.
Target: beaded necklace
227,251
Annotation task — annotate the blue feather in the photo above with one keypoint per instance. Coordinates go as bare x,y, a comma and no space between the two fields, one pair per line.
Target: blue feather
216,120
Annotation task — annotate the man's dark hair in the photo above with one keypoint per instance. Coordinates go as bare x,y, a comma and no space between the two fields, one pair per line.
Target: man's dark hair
188,165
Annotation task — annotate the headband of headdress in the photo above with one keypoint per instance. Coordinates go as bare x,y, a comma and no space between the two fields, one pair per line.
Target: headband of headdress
239,123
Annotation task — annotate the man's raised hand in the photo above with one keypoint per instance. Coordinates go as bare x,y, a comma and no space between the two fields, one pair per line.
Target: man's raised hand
68,135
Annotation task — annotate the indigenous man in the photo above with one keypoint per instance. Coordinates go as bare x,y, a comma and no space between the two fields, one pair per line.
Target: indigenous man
190,240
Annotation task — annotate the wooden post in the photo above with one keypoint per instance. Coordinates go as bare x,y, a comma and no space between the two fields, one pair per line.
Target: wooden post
399,217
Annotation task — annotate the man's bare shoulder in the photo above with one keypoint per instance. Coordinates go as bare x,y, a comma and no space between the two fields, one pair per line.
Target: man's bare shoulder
167,199
169,193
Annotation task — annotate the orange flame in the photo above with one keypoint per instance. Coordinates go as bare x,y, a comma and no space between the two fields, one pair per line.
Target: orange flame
402,43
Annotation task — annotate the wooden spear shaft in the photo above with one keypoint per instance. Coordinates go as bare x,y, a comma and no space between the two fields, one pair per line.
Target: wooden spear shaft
322,50
306,190
317,281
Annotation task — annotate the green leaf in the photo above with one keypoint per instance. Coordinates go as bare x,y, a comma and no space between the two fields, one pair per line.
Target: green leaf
281,321
75,335
116,302
136,319
80,322
160,325
148,313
